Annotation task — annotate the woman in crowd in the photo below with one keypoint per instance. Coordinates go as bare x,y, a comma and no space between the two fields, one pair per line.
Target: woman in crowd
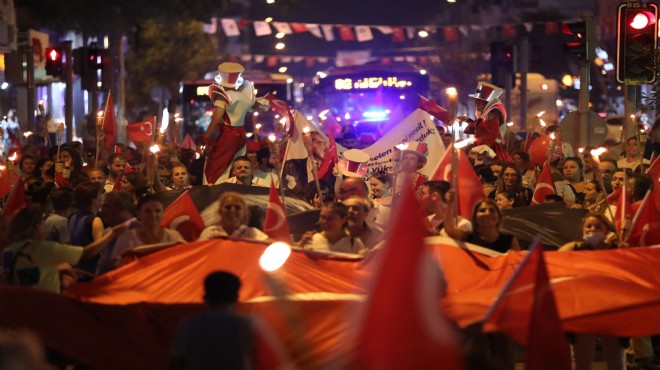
28,166
381,186
633,155
180,177
597,234
521,160
34,262
234,215
43,165
488,179
135,183
84,224
334,236
150,214
572,187
511,179
594,198
486,223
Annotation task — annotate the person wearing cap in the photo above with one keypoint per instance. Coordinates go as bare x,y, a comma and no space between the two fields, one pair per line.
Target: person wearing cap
225,137
490,126
413,159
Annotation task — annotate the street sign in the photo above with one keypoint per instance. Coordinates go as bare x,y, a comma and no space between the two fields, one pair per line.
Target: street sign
570,130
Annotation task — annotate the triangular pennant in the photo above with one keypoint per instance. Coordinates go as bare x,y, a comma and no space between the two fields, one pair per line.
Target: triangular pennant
212,27
385,30
328,32
451,34
262,28
282,27
298,27
398,34
346,33
529,26
363,33
229,27
314,29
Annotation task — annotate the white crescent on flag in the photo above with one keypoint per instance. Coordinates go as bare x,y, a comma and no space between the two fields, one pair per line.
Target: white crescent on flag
280,216
179,220
542,185
149,132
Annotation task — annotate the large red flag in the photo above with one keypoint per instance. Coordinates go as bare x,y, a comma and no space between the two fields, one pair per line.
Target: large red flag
330,158
141,131
547,348
182,216
276,224
654,172
5,184
544,186
16,198
469,190
402,325
431,107
645,228
109,123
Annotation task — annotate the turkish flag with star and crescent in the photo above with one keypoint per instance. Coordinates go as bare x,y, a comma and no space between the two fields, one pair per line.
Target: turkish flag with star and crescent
276,224
182,215
141,131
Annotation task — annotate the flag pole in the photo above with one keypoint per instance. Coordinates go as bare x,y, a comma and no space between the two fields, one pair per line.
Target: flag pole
99,137
454,178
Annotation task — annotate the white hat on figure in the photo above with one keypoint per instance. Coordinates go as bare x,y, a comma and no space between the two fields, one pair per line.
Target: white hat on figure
419,149
354,163
486,92
229,75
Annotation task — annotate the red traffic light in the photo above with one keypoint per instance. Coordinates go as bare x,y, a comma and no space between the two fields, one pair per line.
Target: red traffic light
54,54
642,20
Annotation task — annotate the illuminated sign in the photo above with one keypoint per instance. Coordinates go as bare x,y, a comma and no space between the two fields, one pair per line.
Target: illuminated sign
202,90
371,83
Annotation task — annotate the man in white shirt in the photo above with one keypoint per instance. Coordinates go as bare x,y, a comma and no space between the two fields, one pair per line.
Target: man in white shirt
265,170
243,173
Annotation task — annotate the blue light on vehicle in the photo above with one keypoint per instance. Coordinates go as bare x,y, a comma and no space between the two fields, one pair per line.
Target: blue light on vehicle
375,115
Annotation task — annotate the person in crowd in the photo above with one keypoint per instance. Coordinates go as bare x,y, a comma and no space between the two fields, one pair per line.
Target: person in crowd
57,222
433,202
413,159
594,198
589,165
505,199
116,165
30,150
243,173
358,210
597,234
619,178
652,147
511,179
381,187
265,170
180,178
350,141
486,223
572,188
97,176
607,167
20,350
118,207
352,187
43,165
220,338
633,155
637,186
447,139
334,235
487,178
150,214
495,168
135,183
521,159
28,166
234,215
84,224
32,261
251,149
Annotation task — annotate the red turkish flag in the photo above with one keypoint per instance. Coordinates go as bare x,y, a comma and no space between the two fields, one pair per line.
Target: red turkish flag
330,158
512,312
398,35
188,143
645,229
544,186
509,31
276,224
109,124
182,216
624,209
431,107
141,131
451,33
5,184
271,61
403,326
16,199
346,33
469,190
298,27
60,180
654,172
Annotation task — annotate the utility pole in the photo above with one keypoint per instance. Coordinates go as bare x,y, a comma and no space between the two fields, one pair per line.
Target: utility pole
68,97
29,84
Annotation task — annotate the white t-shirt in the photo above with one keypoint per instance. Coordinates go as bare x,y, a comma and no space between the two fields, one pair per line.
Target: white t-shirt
243,232
344,245
130,240
462,224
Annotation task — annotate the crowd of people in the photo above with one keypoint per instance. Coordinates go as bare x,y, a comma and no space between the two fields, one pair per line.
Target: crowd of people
82,216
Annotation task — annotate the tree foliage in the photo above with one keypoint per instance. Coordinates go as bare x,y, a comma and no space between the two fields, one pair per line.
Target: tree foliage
167,53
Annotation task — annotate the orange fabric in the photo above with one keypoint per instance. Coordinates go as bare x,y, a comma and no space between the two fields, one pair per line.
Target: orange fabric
613,292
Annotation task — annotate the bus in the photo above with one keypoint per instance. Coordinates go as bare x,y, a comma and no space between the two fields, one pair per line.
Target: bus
371,97
197,109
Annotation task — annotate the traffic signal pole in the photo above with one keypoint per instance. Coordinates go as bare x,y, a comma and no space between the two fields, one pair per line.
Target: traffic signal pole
68,97
29,84
585,81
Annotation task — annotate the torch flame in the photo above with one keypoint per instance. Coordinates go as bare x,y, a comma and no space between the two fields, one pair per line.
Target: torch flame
539,114
552,136
580,150
13,157
165,122
542,122
598,151
306,130
272,138
27,134
154,148
402,146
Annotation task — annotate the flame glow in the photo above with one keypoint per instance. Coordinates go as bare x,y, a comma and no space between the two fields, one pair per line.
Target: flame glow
598,151
306,130
272,138
165,122
463,143
13,157
274,256
552,136
402,146
27,134
539,114
154,148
